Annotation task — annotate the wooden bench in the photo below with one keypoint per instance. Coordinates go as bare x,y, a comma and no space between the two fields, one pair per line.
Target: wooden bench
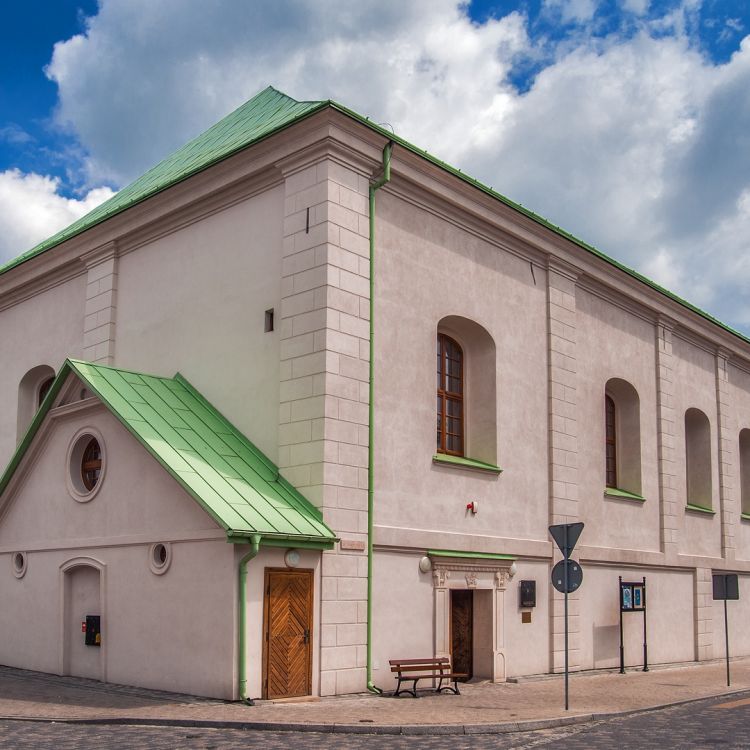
414,670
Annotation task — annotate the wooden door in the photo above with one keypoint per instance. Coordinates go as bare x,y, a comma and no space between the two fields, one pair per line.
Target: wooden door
462,627
287,628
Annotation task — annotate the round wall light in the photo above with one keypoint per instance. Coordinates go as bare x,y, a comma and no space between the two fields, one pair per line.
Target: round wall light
425,564
291,558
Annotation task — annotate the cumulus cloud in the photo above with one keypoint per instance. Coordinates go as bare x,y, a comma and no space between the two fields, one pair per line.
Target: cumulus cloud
635,141
31,209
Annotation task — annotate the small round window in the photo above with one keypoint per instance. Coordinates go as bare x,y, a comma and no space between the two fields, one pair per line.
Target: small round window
91,464
160,556
18,561
86,464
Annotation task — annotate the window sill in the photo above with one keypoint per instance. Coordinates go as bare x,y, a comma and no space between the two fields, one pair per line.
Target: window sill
465,463
700,509
623,494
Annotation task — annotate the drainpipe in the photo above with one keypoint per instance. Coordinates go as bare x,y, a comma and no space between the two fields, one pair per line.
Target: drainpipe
254,548
386,176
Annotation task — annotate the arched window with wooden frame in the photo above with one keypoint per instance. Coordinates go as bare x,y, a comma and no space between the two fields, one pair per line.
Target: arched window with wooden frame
610,441
450,396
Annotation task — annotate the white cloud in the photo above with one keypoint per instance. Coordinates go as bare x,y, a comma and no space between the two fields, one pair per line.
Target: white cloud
31,209
636,143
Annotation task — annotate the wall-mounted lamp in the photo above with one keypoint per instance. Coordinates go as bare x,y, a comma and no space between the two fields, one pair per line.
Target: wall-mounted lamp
513,569
425,564
291,558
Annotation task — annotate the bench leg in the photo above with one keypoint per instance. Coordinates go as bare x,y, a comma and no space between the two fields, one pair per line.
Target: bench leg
453,689
412,692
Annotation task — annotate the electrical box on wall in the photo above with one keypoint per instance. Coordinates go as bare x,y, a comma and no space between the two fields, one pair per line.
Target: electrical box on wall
527,594
93,630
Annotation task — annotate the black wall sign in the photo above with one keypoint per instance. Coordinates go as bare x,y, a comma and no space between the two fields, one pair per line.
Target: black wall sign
726,586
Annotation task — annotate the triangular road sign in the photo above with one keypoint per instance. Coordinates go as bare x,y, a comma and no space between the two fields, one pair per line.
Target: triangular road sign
558,534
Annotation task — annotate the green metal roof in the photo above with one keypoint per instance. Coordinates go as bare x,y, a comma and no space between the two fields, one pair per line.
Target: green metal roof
233,481
267,113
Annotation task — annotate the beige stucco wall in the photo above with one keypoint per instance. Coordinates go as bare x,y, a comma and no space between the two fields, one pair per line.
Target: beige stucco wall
669,617
404,618
695,387
41,330
194,300
613,343
150,622
428,269
739,381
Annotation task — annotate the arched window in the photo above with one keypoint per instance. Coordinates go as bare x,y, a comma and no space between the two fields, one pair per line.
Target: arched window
32,389
745,470
610,442
450,396
698,458
44,390
622,437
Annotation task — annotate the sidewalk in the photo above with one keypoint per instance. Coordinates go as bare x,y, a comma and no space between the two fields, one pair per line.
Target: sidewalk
481,707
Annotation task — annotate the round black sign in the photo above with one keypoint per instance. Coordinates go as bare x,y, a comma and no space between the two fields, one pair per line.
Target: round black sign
575,576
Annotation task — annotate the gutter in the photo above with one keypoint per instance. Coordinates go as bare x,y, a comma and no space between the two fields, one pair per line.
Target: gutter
386,176
242,626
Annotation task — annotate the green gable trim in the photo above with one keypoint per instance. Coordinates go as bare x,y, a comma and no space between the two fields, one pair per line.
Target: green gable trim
623,494
267,113
699,509
466,463
469,555
231,479
745,516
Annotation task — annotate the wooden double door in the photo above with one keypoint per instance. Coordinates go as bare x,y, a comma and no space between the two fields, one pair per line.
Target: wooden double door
287,633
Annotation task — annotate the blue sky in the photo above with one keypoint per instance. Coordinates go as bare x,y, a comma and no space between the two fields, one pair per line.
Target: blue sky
624,121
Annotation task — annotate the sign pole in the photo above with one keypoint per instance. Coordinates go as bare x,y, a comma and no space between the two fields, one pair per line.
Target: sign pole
566,619
645,639
726,633
622,644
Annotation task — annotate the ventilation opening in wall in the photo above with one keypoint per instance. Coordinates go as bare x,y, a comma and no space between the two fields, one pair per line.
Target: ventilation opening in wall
160,556
269,321
19,564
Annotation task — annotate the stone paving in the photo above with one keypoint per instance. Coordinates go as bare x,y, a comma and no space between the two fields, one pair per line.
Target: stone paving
711,723
480,708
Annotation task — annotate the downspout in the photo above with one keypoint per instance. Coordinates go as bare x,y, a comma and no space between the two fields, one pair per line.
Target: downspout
386,176
254,548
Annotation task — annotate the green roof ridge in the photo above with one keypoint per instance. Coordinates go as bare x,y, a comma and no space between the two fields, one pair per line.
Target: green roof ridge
229,477
276,111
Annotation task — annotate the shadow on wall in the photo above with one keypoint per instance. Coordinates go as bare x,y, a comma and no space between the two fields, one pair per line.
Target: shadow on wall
606,645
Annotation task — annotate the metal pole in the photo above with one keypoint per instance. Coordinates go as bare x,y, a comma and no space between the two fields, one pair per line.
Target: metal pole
645,639
726,627
565,553
622,645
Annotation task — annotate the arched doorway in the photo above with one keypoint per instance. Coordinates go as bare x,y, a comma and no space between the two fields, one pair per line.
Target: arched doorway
82,588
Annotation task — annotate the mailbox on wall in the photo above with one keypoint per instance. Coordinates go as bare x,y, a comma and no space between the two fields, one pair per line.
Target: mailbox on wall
527,592
93,630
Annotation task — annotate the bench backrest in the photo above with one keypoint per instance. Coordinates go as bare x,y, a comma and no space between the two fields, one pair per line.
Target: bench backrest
440,665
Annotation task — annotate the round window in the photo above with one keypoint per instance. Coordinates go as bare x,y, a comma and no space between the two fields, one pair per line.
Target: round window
160,556
18,561
86,464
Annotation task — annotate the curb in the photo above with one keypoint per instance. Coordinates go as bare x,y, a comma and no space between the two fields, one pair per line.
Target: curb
385,729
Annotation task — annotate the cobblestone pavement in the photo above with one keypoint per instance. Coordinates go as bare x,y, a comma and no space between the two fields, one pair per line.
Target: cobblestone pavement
716,722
